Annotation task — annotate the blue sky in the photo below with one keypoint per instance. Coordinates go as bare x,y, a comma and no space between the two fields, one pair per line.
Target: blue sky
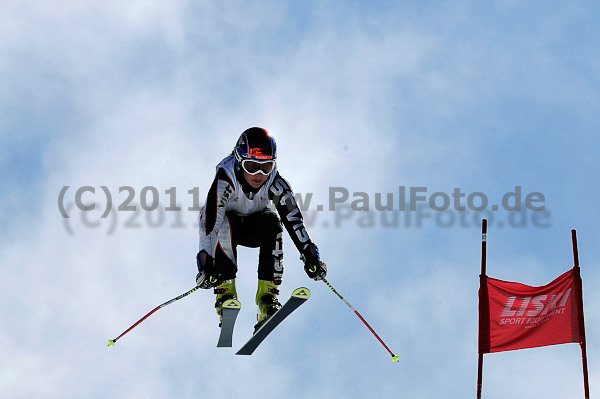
367,97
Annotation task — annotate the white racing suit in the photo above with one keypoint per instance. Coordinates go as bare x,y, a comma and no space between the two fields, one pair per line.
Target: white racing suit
237,214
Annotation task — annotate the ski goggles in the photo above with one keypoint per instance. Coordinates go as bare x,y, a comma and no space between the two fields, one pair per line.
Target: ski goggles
253,167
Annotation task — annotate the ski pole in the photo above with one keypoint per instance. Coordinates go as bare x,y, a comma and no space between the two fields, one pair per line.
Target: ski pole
395,358
111,342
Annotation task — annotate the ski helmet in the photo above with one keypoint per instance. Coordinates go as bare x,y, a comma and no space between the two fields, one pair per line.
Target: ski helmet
256,144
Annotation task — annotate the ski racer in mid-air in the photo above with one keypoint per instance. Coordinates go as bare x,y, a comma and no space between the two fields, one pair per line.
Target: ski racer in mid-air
246,205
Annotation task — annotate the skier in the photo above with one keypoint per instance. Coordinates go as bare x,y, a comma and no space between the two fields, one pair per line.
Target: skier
246,205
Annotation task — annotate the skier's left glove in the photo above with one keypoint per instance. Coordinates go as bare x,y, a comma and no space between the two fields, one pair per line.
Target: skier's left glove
314,267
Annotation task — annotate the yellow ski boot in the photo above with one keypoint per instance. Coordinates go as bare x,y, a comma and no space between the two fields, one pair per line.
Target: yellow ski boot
224,291
266,299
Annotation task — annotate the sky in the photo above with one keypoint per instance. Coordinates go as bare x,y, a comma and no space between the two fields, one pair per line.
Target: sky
367,99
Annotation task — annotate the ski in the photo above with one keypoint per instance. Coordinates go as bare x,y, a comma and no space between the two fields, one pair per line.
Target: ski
230,310
299,296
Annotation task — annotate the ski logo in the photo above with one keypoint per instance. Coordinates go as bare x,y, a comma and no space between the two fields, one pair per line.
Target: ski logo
301,292
232,304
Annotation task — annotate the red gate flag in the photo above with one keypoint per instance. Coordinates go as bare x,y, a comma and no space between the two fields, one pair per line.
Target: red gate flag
517,316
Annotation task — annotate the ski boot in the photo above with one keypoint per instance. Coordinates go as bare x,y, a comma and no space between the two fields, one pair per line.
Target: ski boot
266,299
224,291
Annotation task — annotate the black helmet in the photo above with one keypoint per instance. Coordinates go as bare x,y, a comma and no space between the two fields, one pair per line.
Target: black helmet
258,145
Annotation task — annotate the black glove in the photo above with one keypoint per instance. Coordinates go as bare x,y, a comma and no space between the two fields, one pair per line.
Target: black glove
208,276
313,266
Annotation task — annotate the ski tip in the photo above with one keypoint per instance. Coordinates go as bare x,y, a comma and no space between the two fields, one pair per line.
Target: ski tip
111,342
395,358
232,304
302,292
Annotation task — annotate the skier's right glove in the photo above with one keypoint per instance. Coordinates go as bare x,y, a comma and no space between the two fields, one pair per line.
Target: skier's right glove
313,266
208,276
